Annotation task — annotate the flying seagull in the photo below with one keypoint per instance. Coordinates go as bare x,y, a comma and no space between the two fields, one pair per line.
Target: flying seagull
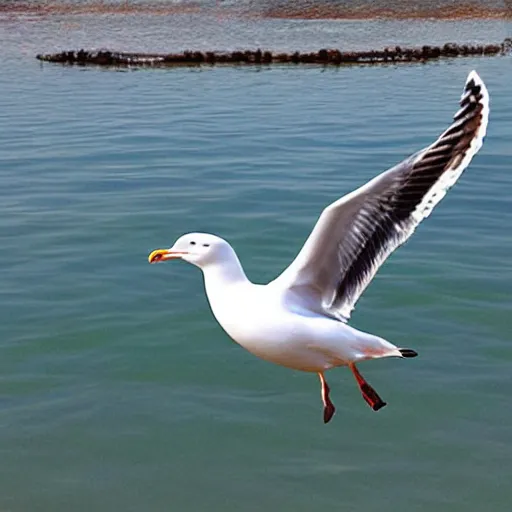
300,320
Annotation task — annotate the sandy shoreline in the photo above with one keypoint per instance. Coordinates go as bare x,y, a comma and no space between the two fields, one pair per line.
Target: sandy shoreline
296,10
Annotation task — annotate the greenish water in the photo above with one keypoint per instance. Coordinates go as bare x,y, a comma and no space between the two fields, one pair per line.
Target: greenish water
119,392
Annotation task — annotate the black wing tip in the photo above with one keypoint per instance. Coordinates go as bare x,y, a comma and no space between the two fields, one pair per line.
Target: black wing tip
477,89
475,86
473,112
473,79
472,84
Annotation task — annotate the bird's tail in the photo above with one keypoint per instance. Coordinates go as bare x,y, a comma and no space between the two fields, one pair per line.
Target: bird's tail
407,352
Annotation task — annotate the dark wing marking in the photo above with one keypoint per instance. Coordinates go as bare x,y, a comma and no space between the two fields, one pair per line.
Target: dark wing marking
355,235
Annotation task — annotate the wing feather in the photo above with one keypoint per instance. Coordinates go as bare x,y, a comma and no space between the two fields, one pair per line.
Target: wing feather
355,235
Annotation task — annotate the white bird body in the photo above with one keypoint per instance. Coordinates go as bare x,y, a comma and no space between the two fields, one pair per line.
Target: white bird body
299,320
274,324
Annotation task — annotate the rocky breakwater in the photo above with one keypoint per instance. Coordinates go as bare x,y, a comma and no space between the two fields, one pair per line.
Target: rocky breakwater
326,57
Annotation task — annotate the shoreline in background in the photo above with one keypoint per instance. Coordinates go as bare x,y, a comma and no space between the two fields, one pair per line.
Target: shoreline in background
295,10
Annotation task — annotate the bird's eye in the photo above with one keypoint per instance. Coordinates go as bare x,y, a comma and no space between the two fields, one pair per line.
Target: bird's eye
206,245
192,243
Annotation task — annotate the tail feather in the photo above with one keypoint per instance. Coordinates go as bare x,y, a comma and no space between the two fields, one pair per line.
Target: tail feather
407,352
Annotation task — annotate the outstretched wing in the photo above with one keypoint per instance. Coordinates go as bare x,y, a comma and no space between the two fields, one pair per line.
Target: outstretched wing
354,235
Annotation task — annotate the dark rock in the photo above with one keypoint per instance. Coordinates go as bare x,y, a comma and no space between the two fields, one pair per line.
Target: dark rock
267,57
450,49
492,49
323,56
335,57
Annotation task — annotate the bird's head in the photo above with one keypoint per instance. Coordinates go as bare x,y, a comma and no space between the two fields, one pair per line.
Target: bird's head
200,249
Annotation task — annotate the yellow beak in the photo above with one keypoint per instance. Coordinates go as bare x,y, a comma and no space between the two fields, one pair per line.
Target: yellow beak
164,255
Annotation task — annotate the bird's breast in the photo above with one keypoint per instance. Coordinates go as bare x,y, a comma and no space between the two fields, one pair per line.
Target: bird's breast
260,322
248,315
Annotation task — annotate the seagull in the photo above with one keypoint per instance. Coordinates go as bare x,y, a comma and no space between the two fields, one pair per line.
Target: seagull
300,319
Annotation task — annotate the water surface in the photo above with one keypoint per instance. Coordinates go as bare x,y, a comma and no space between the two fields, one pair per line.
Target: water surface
118,389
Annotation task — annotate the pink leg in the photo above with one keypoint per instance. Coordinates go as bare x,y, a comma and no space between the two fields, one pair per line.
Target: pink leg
369,394
329,408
